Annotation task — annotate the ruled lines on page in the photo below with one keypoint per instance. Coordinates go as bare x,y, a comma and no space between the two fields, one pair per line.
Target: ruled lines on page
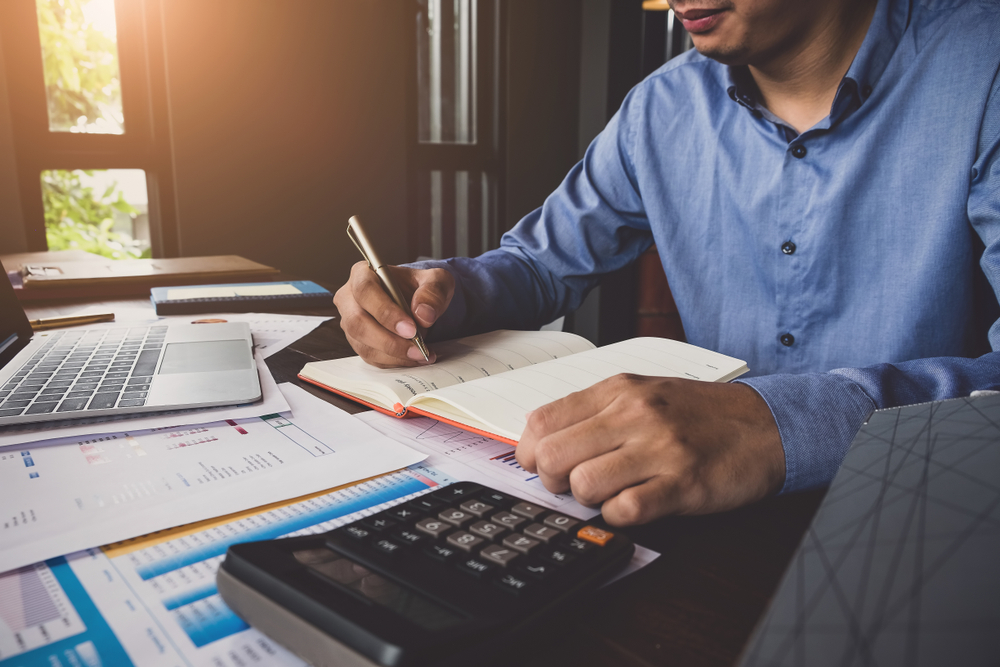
501,402
458,362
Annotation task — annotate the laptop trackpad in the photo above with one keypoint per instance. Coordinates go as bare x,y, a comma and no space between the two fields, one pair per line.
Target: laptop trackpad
207,356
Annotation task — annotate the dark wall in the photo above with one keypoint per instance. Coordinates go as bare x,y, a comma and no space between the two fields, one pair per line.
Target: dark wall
12,237
288,118
543,92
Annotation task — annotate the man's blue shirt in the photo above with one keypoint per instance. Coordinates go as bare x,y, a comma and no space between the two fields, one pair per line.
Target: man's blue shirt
840,263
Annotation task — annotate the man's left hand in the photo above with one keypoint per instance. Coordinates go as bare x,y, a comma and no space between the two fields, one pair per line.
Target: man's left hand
643,447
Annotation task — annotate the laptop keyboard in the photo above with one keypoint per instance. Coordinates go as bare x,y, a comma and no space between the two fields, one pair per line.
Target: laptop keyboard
78,371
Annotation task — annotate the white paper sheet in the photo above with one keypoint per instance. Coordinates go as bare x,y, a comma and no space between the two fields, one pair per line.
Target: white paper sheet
82,492
273,401
469,456
153,600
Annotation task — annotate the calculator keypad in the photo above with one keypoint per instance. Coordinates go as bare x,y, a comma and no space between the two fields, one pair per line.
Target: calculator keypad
515,545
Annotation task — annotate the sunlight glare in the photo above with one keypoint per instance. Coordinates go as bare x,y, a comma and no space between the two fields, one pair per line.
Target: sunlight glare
101,15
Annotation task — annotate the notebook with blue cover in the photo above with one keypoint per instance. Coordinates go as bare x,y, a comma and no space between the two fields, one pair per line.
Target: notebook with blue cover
240,297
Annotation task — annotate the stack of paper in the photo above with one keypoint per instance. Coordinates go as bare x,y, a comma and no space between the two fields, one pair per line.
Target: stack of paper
204,480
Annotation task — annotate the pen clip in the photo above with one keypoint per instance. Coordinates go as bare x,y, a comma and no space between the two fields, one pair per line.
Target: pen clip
354,240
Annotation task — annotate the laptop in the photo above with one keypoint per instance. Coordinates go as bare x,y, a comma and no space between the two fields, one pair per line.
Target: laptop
119,370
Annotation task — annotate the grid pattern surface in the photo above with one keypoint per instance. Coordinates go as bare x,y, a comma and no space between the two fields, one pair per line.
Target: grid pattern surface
901,565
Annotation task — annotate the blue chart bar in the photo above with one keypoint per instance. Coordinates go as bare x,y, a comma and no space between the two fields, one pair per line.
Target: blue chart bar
187,597
96,645
208,620
404,485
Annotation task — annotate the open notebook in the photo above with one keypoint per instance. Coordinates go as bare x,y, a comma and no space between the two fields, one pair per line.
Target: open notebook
487,383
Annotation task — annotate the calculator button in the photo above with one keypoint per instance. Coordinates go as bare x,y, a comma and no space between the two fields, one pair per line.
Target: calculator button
521,543
513,583
537,569
433,527
528,511
379,522
457,492
499,554
595,535
476,567
477,507
486,529
464,541
507,519
404,513
441,552
426,504
579,546
386,547
408,537
497,499
357,532
540,532
457,518
559,556
560,522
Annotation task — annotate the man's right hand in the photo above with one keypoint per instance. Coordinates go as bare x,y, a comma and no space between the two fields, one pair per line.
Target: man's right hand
377,328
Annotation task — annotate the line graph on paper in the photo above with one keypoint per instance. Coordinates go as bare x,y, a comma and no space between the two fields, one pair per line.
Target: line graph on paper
489,457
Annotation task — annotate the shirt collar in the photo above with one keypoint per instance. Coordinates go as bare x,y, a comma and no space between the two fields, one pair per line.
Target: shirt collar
881,41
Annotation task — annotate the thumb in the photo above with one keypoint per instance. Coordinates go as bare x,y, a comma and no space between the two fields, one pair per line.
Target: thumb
435,288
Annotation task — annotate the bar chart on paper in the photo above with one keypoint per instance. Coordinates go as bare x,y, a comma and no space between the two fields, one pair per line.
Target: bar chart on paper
180,573
448,444
34,611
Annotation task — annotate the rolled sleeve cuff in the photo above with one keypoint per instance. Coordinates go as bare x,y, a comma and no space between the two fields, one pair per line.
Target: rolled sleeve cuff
818,416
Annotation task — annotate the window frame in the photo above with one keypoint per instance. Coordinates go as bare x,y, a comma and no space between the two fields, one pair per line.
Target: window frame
483,156
145,144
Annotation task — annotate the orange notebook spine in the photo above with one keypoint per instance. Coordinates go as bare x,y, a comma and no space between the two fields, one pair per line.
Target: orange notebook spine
402,411
464,427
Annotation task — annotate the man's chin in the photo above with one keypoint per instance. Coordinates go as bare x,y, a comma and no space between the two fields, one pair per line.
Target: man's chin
727,54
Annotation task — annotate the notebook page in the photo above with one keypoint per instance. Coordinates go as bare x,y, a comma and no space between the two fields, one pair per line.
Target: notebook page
459,361
500,402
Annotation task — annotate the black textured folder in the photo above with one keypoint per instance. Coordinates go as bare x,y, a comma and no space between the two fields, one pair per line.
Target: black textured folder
901,565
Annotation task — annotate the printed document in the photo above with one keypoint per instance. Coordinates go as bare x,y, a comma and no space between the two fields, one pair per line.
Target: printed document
85,491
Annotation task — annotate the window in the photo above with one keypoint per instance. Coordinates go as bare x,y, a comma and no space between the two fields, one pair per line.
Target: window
105,212
80,61
87,93
456,175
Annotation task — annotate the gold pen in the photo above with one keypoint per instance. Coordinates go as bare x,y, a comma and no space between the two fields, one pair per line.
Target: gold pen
357,234
72,321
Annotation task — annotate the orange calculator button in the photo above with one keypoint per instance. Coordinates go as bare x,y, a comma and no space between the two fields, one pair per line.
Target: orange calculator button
595,535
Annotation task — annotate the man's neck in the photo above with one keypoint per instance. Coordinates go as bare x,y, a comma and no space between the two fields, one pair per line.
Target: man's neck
800,84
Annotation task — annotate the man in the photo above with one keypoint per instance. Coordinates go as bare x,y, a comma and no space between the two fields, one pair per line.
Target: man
820,178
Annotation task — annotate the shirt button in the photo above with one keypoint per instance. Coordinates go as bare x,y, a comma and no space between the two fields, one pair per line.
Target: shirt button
799,151
787,339
788,247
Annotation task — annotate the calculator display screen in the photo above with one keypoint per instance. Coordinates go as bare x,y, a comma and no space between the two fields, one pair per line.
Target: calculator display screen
352,576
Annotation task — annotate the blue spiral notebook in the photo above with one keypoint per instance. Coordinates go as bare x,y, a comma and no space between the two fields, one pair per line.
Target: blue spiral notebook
240,298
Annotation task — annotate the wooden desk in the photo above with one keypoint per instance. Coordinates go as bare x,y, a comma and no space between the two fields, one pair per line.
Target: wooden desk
695,605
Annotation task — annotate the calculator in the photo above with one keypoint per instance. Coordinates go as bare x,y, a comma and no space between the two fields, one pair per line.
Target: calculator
440,580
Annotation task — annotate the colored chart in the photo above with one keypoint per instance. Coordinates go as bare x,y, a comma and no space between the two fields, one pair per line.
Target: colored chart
34,610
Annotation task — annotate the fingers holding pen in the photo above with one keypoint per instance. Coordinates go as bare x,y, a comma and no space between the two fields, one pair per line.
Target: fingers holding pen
374,325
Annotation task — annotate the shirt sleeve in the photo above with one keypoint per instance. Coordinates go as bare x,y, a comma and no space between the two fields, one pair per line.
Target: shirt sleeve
593,223
819,414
